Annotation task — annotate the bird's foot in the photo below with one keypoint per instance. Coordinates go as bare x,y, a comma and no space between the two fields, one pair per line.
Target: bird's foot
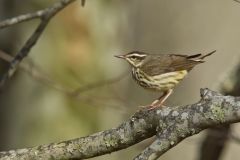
151,107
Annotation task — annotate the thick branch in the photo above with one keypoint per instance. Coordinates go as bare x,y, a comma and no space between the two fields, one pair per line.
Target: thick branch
170,124
186,121
217,137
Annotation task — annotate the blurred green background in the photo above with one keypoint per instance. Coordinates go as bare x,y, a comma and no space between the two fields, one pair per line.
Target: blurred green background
76,51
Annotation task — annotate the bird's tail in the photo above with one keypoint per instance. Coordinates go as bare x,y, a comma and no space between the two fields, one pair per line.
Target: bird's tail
200,57
206,55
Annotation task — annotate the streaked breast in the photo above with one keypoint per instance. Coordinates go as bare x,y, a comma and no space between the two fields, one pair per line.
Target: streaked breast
170,79
159,82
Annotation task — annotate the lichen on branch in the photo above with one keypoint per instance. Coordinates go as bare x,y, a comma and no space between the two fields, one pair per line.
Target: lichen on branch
170,125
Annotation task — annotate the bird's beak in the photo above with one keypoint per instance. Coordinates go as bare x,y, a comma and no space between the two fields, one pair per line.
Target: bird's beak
120,56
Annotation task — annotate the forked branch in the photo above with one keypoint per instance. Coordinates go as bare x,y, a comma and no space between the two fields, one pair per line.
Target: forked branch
45,16
170,124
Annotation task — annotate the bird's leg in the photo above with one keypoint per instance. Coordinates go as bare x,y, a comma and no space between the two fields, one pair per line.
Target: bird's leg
159,102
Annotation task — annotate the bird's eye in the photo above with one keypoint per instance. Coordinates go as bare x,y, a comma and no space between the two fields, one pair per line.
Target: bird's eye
134,57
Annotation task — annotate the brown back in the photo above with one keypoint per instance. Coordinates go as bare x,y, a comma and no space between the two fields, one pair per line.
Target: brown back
157,64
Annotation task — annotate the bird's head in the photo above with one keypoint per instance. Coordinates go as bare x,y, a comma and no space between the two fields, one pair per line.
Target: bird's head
134,58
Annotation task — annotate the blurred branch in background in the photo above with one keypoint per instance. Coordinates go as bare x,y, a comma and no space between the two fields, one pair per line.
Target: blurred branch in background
214,141
83,2
217,137
45,16
34,70
170,124
103,83
28,103
36,73
8,41
46,78
237,1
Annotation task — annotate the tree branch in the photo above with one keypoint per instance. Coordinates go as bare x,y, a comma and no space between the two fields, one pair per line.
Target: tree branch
217,137
38,14
22,18
170,124
35,72
45,16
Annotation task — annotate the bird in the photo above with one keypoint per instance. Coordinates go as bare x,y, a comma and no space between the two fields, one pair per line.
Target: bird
161,72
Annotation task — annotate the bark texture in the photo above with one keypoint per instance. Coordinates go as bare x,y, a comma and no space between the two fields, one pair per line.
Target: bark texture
170,124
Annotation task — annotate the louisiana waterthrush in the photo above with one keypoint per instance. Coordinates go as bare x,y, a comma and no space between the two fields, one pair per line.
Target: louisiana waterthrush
161,72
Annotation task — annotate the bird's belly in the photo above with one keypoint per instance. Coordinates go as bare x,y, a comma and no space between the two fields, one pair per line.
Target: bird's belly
161,82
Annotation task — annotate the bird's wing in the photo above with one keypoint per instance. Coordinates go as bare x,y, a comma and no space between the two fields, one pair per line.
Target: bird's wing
159,64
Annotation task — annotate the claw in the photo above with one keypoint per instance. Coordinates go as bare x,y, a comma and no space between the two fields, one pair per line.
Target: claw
150,107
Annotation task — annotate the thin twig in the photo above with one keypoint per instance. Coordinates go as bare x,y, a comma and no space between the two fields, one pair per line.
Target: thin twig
39,75
95,85
22,18
34,71
26,17
24,51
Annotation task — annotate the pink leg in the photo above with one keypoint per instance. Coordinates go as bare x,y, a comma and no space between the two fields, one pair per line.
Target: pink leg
161,100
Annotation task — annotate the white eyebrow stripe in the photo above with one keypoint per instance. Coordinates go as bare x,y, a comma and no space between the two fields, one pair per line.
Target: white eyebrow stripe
137,55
